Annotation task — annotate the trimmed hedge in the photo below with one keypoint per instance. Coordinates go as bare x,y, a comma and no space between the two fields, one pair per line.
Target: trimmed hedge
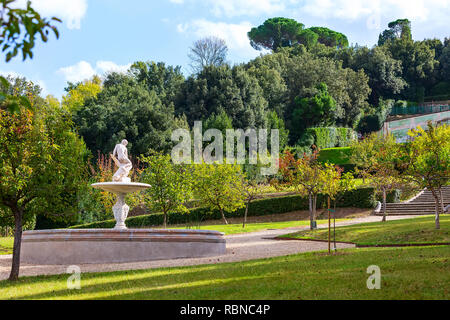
360,198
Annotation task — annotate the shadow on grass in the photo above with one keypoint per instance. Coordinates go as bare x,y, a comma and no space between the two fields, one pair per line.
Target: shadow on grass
421,272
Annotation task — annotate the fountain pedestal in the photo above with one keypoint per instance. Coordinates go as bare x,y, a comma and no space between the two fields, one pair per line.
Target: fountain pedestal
120,189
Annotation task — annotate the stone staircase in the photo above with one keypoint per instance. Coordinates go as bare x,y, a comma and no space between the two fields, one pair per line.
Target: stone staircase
421,204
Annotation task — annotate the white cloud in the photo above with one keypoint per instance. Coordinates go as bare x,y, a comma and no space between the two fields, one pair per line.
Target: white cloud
77,72
235,35
109,66
71,12
415,10
83,70
232,8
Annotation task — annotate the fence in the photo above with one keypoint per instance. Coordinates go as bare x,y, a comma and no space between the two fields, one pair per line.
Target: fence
422,109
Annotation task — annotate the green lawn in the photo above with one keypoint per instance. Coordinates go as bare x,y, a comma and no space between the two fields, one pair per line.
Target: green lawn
338,155
252,227
406,273
6,245
416,230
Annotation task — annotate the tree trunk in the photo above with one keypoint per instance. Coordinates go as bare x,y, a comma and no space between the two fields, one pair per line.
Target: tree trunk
165,220
314,206
18,216
245,215
223,216
334,225
329,227
384,206
437,208
311,218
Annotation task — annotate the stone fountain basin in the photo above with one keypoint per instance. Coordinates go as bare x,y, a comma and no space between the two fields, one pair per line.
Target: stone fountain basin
80,246
121,187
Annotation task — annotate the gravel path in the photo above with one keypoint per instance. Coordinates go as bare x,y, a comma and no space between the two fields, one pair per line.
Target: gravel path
240,247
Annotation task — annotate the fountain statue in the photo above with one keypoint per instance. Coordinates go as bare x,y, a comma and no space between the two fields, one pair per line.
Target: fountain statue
122,161
121,184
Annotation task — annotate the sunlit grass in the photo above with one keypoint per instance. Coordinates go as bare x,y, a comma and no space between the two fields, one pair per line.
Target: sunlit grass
6,245
405,231
407,273
260,226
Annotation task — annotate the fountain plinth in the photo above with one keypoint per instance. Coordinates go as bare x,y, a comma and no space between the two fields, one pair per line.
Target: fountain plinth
120,189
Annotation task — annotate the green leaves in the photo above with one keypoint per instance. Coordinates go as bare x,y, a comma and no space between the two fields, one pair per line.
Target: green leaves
275,33
19,28
219,186
426,159
319,110
170,184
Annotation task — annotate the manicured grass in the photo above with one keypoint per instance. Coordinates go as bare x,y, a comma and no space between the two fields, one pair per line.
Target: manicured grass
406,273
338,155
405,231
252,227
6,245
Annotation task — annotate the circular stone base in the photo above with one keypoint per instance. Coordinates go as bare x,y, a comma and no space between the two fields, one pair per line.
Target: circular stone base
79,246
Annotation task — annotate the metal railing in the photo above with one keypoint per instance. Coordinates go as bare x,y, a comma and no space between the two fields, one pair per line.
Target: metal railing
422,109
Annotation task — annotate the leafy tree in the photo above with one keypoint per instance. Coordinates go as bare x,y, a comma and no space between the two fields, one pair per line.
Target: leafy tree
444,61
418,63
275,122
374,117
251,191
208,51
384,72
125,109
318,110
275,33
18,31
274,89
425,160
222,88
307,176
219,186
80,92
348,88
171,185
308,38
330,37
164,80
332,188
20,27
41,165
220,121
364,153
398,29
383,174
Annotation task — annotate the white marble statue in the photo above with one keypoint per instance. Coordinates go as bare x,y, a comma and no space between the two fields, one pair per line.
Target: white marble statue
120,157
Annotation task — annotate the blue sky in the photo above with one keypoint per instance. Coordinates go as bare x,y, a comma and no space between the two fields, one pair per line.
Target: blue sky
98,36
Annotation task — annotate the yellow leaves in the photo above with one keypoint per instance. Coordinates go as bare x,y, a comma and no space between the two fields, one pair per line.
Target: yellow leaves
77,96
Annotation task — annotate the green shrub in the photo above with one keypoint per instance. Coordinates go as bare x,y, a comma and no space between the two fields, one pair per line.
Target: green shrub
360,198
